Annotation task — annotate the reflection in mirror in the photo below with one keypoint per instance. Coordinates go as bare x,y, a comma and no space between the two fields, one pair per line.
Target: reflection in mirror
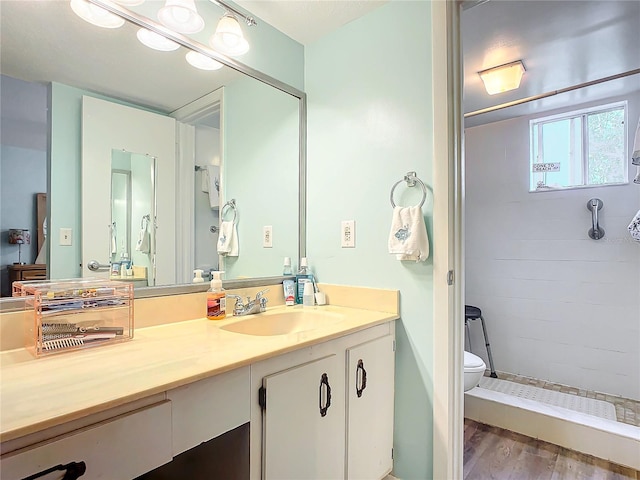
257,135
133,203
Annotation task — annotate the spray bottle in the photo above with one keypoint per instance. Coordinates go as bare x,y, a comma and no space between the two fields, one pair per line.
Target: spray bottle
216,299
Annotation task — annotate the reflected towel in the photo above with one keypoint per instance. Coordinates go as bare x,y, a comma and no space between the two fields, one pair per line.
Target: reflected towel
211,176
228,239
114,247
635,156
408,238
144,242
634,227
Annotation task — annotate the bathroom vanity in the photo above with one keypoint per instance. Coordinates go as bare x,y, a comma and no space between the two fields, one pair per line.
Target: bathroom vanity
129,408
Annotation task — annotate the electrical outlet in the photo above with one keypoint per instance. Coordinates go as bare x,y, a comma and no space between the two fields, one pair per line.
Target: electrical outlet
267,236
65,237
348,234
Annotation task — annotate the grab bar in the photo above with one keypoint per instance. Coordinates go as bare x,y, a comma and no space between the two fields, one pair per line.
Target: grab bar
596,232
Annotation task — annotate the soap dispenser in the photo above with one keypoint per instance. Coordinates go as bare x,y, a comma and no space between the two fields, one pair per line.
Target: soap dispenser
197,276
216,299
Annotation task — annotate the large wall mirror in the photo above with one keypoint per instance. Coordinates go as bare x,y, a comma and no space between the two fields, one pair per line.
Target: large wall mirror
144,158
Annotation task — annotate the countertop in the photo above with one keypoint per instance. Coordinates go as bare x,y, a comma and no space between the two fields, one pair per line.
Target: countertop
40,393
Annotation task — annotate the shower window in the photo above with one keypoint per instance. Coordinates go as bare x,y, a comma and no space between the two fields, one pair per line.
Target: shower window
579,149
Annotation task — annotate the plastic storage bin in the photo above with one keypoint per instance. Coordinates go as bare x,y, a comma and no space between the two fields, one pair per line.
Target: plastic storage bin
61,316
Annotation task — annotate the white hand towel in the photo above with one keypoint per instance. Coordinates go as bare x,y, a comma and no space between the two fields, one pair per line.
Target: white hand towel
114,247
228,239
213,187
635,156
634,227
143,244
408,237
204,179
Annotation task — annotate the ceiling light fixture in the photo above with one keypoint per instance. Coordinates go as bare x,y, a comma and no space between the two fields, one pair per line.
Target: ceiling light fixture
181,16
202,62
156,41
228,38
96,15
502,78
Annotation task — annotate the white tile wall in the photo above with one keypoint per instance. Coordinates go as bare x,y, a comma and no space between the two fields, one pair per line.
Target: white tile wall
558,305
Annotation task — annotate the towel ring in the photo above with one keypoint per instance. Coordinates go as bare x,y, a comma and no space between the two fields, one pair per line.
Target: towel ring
231,204
411,179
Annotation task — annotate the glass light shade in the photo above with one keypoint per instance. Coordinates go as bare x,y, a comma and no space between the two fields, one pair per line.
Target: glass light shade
503,78
96,15
202,62
228,38
155,41
181,16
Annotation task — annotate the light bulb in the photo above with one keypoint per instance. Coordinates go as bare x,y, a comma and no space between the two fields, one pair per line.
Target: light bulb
96,15
156,41
202,62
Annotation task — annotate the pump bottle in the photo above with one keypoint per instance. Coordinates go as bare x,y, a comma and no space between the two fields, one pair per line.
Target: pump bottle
216,299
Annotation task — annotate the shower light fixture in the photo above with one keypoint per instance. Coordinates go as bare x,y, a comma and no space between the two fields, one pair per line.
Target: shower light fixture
96,15
156,41
181,16
228,38
202,62
502,78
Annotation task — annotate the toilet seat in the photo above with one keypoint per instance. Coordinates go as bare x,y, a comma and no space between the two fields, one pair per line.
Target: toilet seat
473,363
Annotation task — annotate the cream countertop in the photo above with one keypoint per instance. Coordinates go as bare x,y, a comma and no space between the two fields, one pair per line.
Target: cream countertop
40,393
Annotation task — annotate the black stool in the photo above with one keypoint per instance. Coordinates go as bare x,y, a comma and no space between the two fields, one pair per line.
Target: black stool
474,313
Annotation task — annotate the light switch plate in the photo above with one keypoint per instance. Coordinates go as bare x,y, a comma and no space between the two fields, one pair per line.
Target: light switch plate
348,234
65,237
267,236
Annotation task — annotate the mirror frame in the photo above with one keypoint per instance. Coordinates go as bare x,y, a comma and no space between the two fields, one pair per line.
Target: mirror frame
9,304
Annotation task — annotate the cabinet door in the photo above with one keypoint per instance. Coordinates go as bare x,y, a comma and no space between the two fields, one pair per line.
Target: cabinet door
303,422
370,374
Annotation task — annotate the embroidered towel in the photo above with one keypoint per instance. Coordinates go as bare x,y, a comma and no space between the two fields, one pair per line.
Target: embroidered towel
228,239
211,184
408,237
635,156
634,227
144,242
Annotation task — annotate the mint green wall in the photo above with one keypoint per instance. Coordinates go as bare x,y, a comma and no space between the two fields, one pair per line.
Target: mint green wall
370,121
260,170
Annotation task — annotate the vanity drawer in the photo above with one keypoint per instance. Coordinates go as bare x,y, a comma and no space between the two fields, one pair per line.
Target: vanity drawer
208,408
123,447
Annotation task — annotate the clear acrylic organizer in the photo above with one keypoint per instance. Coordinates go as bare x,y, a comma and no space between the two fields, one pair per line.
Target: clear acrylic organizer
62,316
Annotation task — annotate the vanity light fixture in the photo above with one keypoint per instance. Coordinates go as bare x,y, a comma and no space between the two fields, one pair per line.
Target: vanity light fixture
156,41
228,38
181,16
96,15
502,78
202,62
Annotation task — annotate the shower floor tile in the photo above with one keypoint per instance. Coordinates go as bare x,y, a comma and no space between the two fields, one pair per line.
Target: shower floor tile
627,410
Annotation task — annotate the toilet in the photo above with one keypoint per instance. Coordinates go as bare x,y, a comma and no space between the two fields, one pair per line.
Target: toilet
474,368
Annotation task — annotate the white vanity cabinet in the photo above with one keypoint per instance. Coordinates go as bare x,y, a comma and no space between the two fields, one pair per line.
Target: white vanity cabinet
370,391
296,432
303,424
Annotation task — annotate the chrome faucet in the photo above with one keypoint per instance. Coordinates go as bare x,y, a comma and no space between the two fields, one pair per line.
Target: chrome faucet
257,305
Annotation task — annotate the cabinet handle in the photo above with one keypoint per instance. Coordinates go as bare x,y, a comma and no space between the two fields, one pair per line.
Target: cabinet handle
326,398
361,378
74,470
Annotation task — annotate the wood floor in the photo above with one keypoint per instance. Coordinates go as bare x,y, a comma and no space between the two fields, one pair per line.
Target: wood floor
494,453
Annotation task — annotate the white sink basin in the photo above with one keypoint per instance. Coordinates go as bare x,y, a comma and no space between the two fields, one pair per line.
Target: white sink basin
282,323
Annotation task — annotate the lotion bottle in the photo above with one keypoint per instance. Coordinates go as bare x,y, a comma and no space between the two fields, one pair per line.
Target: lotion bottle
216,299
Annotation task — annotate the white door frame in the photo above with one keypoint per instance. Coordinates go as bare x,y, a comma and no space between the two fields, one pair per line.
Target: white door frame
448,268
